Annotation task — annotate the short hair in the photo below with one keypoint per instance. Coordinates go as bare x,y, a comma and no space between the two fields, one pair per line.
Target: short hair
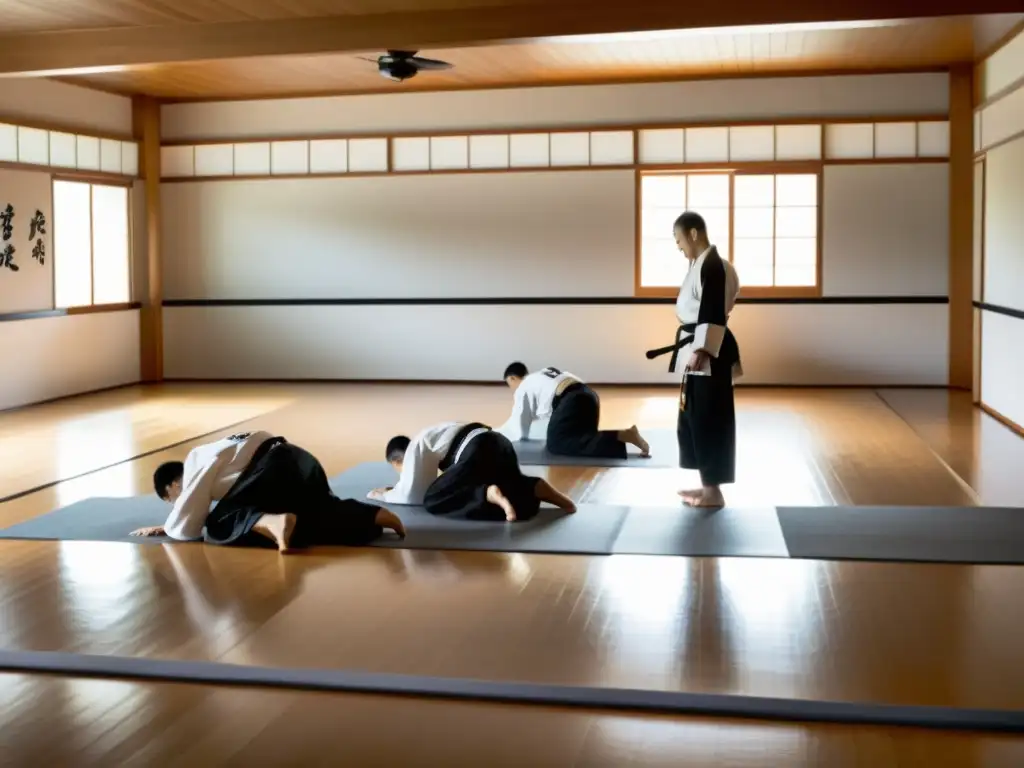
165,475
691,220
515,369
396,448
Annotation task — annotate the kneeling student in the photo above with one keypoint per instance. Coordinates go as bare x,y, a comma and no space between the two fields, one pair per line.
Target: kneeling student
480,475
263,485
574,410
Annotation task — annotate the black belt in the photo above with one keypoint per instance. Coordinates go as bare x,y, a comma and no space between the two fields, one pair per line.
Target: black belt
574,387
457,441
680,342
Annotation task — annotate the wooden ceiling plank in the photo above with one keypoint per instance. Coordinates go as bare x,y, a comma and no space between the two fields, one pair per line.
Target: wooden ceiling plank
66,52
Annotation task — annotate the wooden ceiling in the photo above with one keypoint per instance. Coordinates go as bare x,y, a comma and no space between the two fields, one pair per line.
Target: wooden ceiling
836,47
61,15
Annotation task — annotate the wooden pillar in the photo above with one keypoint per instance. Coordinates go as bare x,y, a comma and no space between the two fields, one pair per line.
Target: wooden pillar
146,120
961,227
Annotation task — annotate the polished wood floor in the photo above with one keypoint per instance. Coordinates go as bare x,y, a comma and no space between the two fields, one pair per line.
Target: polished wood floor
897,633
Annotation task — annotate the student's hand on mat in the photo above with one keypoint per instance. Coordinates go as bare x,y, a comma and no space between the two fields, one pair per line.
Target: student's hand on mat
154,531
387,519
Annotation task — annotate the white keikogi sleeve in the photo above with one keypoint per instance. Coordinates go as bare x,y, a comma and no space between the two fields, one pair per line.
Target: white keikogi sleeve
419,470
518,425
190,511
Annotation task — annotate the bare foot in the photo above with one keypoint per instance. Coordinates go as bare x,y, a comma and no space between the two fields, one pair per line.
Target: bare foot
277,528
687,496
496,497
632,436
706,497
385,518
545,492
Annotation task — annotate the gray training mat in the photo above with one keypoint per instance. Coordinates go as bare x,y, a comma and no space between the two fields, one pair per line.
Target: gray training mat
592,530
664,453
979,535
97,519
728,532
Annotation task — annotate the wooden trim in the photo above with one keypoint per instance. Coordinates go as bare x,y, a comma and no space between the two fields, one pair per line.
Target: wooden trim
763,294
979,331
1006,422
725,166
886,161
1002,93
637,233
786,74
94,309
961,228
732,218
146,119
819,277
59,127
65,311
984,213
782,166
70,174
774,169
666,296
998,309
930,117
92,255
498,383
1001,43
1001,143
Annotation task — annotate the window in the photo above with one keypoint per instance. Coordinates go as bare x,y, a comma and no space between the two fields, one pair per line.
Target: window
766,224
92,252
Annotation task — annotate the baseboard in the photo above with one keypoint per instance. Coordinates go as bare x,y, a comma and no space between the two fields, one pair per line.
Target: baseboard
498,383
1002,419
72,396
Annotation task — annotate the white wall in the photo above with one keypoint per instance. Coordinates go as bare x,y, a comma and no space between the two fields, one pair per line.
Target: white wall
1002,231
533,236
781,344
693,101
50,357
58,356
885,230
477,234
49,101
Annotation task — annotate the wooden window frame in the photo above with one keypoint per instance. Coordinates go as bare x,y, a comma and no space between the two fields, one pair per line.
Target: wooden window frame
103,181
732,169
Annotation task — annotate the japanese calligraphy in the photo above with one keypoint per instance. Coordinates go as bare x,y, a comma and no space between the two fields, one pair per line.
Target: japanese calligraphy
37,225
7,258
7,221
39,251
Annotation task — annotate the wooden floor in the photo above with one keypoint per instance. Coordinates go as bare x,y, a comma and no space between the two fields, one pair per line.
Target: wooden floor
882,632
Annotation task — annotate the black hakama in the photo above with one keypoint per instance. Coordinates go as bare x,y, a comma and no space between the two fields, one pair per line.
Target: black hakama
572,430
488,459
284,478
706,427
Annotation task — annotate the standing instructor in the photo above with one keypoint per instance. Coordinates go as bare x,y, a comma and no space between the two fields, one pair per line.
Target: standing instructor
707,413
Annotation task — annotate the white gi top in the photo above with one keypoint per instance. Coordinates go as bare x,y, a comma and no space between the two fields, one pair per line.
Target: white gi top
706,300
534,399
210,471
423,459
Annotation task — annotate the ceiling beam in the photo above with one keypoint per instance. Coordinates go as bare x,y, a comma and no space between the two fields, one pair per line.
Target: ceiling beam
79,51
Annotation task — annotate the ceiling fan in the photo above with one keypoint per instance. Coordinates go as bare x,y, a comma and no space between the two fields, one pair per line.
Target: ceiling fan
403,65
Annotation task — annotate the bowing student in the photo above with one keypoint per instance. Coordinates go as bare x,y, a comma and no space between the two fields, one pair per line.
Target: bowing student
265,487
479,479
572,411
